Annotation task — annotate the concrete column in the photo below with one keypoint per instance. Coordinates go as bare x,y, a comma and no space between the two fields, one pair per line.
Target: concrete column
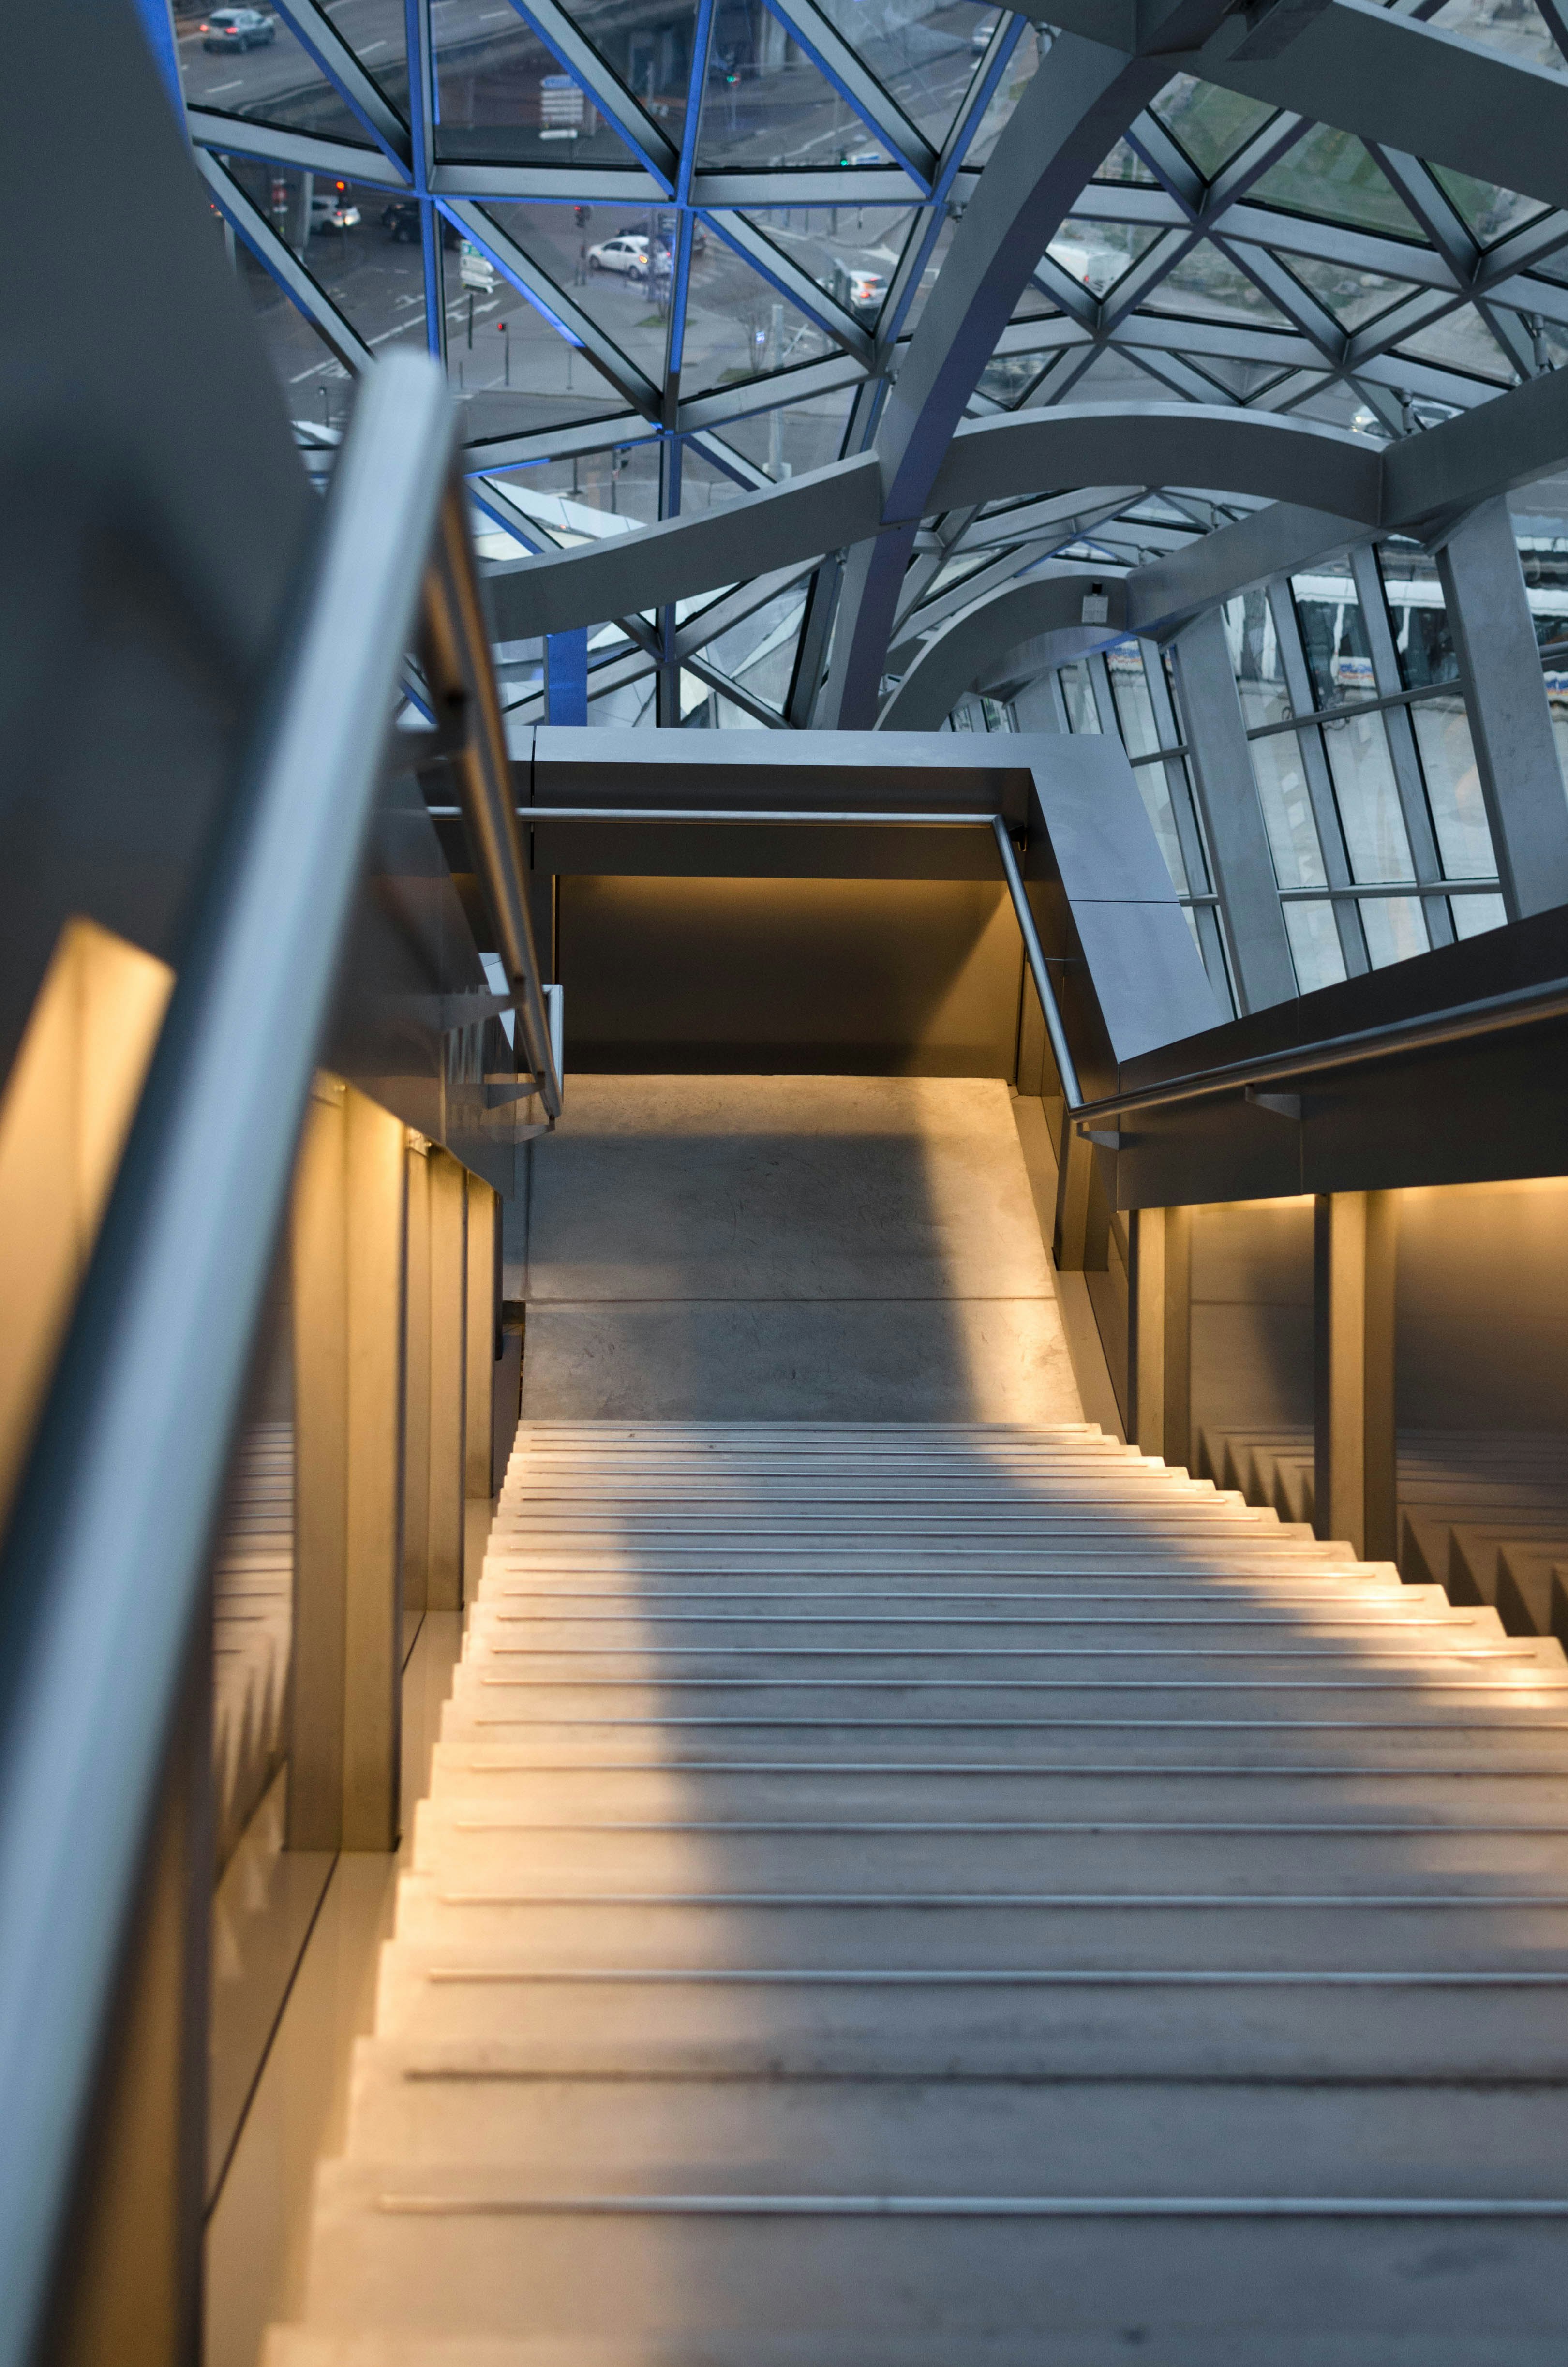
449,1326
484,1330
320,1287
1232,818
375,1256
347,1258
1177,1383
1146,1330
1355,1476
416,1388
1510,723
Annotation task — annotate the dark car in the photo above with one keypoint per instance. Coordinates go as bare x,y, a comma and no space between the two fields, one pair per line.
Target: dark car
238,29
400,222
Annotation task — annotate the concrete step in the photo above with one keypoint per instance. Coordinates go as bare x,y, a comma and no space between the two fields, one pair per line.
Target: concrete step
1142,1731
807,1931
1508,1696
466,1844
1111,2021
1028,1625
1209,2283
1124,1657
997,2136
935,1790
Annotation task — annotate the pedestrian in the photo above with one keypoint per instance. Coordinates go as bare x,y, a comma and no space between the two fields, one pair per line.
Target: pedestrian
581,279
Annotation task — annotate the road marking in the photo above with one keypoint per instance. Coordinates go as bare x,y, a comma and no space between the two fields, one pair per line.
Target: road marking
320,369
401,330
371,47
220,87
490,15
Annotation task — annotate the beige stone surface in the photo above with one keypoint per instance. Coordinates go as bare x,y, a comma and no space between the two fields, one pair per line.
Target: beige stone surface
778,1248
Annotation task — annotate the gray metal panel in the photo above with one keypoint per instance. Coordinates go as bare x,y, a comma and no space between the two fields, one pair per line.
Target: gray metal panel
121,734
1468,1113
1516,751
1104,877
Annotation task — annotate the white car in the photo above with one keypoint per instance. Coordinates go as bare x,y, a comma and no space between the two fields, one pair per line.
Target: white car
334,210
238,29
627,254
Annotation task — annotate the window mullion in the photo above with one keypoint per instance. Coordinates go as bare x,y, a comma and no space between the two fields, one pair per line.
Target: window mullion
1316,772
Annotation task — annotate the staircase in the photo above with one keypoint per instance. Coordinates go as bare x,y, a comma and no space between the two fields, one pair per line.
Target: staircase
945,1895
1483,1514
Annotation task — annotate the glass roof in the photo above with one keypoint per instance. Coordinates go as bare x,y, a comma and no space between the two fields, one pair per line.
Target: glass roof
631,225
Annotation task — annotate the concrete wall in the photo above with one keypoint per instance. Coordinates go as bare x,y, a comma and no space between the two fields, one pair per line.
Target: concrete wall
1482,1306
787,1248
1251,1315
864,977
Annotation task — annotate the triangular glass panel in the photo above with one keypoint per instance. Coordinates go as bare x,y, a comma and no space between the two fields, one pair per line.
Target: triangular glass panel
1008,377
1248,381
1034,305
648,53
1106,380
1520,34
954,571
924,52
570,500
1330,175
1461,341
928,274
502,96
317,390
613,261
1098,254
1206,285
1208,125
1019,72
1125,165
852,252
1488,212
760,651
1355,298
766,107
259,73
738,325
366,250
704,485
376,31
801,434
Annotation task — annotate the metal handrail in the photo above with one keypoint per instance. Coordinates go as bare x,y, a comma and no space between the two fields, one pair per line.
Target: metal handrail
1461,1023
105,1560
462,681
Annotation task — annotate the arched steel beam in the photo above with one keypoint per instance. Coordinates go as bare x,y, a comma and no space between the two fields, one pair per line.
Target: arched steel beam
1170,444
1070,117
1024,627
1271,455
977,644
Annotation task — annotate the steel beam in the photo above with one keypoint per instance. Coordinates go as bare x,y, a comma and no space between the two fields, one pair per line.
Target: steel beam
1239,853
